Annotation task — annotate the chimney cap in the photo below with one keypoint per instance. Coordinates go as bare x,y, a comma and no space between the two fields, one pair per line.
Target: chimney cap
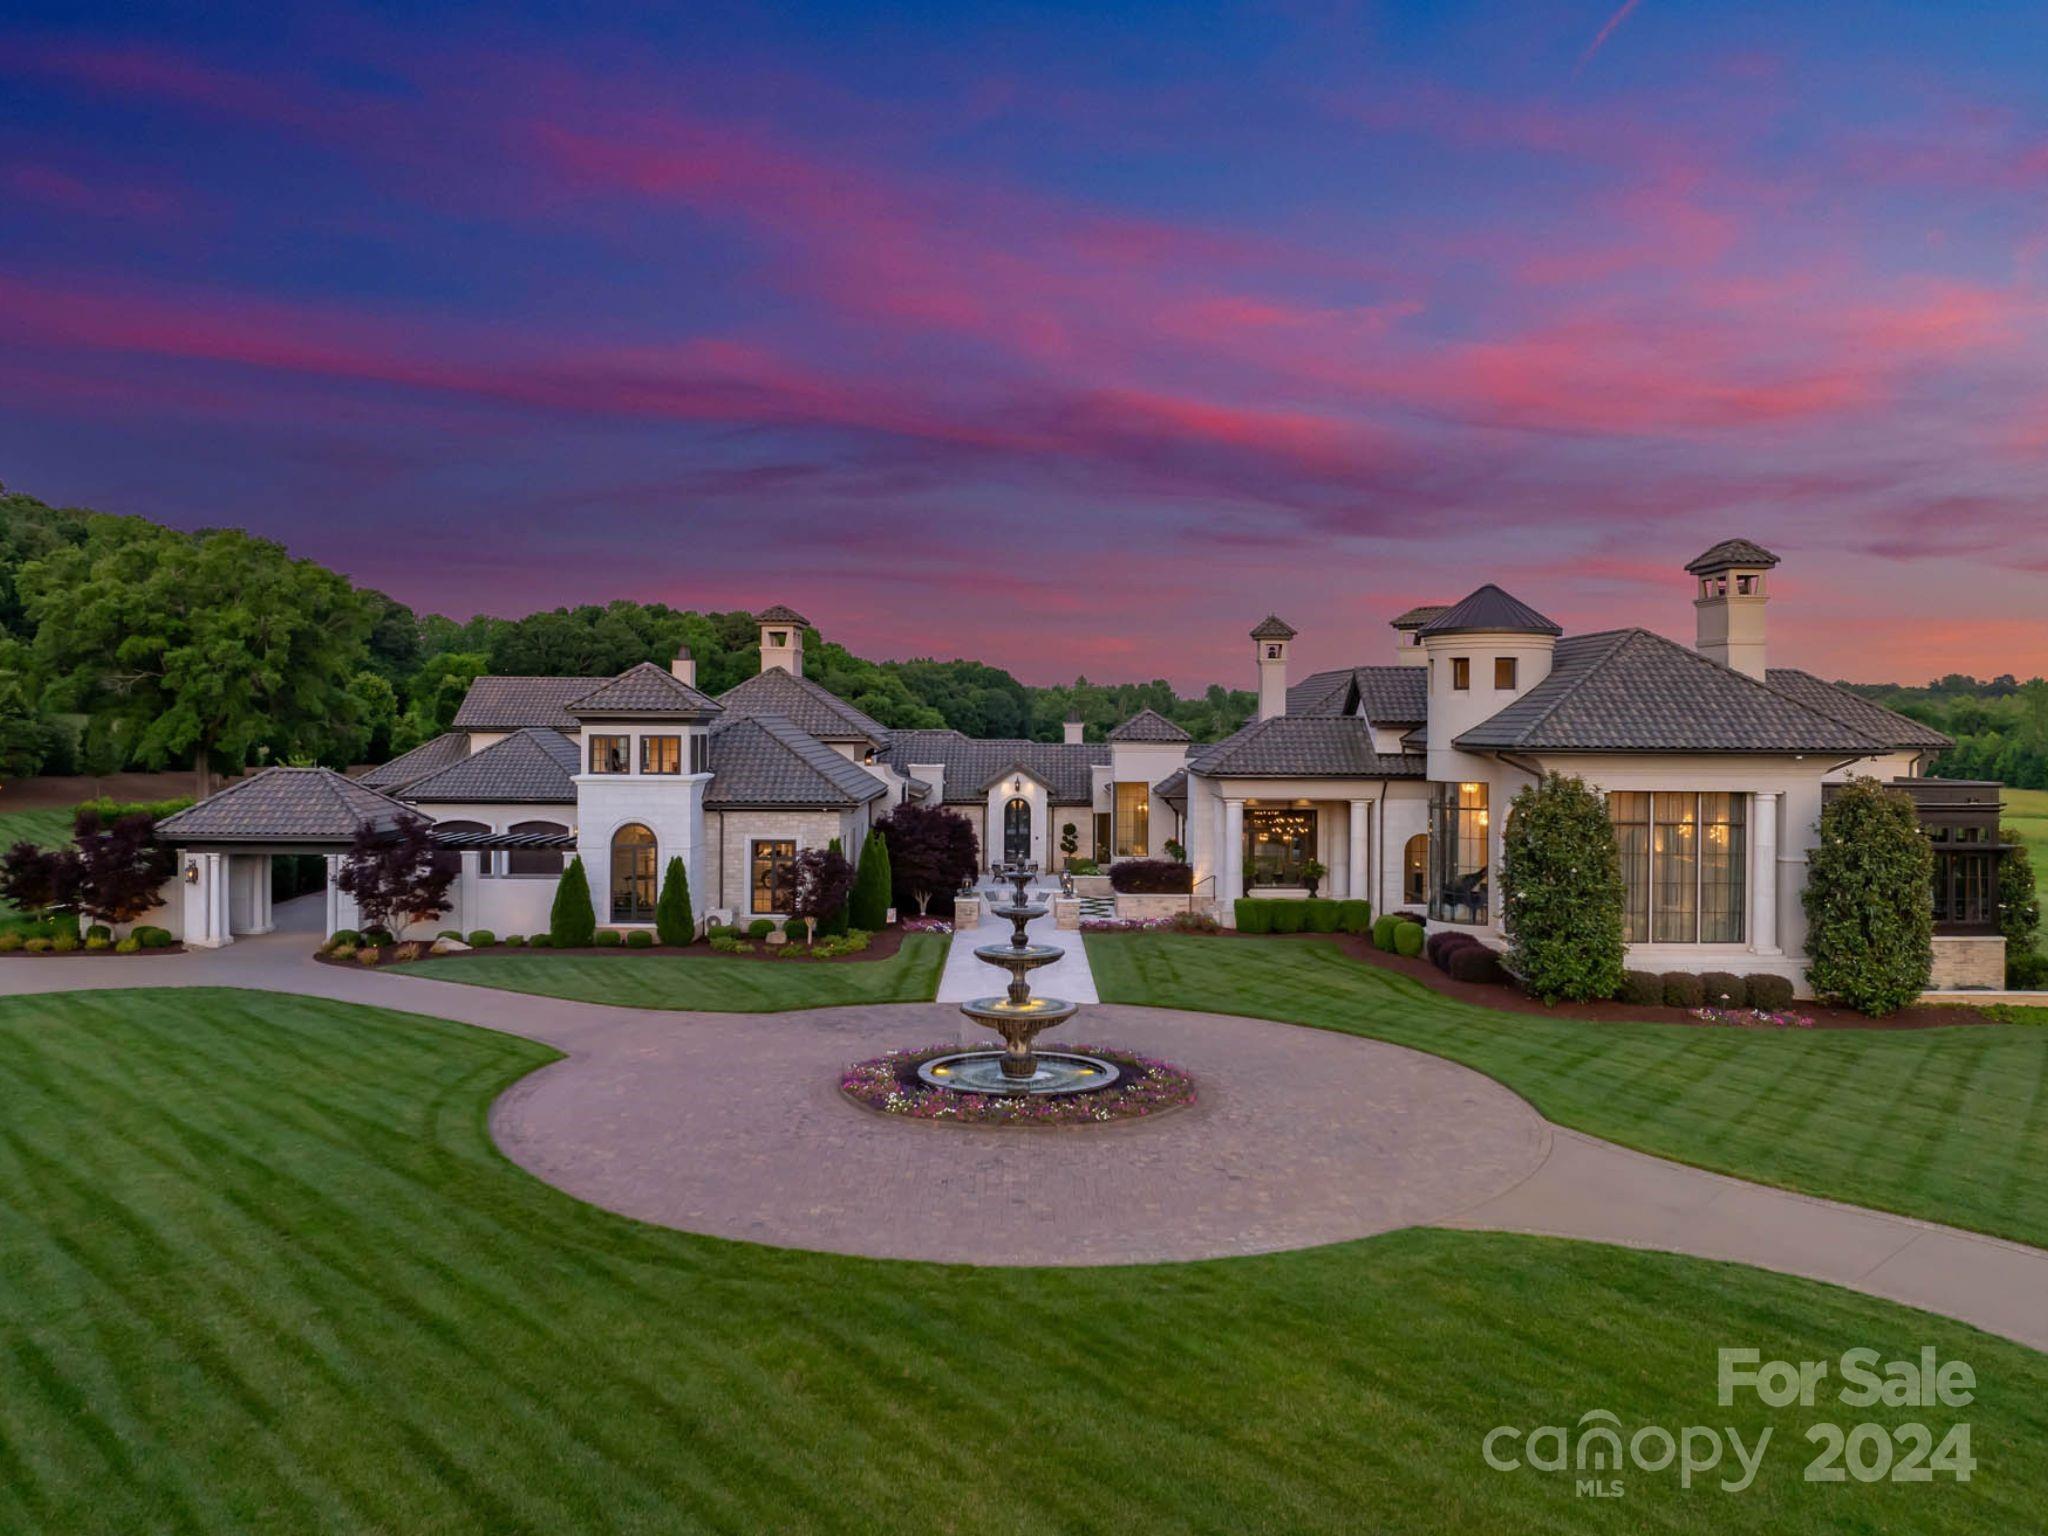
683,653
1729,554
1418,616
782,613
1273,627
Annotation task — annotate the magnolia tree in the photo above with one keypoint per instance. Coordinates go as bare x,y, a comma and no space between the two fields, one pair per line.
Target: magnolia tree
823,879
397,877
1869,907
1562,889
931,851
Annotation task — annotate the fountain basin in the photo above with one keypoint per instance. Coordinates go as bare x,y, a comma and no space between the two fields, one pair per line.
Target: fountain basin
1011,958
1056,1072
1019,1019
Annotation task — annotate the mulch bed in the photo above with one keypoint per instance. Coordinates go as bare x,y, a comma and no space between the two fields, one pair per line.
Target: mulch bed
889,1085
1511,999
82,953
884,945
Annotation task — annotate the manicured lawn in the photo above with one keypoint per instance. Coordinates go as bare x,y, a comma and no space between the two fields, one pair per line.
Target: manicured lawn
261,1269
1949,1124
703,980
2026,812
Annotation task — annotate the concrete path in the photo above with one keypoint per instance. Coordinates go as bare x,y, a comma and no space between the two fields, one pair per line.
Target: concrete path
731,1124
1069,976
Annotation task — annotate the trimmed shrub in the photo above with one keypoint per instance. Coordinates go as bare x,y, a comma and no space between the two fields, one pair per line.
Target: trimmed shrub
760,928
1083,867
1354,916
1724,989
346,936
1290,916
1322,914
2019,903
1254,916
99,931
1383,932
155,938
608,938
1642,989
1408,939
450,933
1870,926
1682,989
129,946
1562,892
540,941
868,906
673,920
639,938
1151,877
2026,970
1441,945
98,943
481,938
1475,963
1773,994
572,922
515,941
376,937
796,930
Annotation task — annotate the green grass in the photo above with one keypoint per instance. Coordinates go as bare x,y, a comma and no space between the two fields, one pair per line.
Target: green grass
261,1270
1949,1124
702,980
2026,812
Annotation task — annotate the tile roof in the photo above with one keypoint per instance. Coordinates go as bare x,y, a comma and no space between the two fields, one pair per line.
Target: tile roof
1852,709
645,690
1628,690
1149,725
970,762
1729,553
284,805
510,703
1391,695
1173,787
428,757
1273,627
529,766
766,760
1303,746
809,706
1490,611
1417,616
781,613
1321,693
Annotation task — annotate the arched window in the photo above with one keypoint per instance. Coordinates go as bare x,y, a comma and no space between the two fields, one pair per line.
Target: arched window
1415,870
534,861
1017,831
633,892
451,858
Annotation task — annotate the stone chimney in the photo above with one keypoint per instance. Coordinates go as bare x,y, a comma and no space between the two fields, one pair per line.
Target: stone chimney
1270,639
684,666
1074,730
1729,611
782,639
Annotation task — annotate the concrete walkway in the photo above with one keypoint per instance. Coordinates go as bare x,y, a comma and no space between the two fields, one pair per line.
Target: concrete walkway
1069,976
731,1124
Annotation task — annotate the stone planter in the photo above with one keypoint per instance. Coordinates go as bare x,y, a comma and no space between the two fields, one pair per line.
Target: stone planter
1142,907
1092,885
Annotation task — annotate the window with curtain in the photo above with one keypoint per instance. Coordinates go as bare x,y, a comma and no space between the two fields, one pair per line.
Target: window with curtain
1133,819
772,874
534,861
1278,840
633,864
1459,839
1684,865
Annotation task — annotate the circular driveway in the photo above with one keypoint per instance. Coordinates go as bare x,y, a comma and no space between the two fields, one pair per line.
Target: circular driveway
733,1125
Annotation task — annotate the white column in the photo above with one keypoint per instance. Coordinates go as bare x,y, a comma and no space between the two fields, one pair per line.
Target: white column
221,869
260,918
333,896
1357,885
1233,850
1763,873
1219,865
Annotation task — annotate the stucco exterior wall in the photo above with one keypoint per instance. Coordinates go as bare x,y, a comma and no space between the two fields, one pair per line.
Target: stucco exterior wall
669,806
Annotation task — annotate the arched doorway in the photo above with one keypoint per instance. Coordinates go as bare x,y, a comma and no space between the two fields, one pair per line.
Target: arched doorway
633,862
1017,830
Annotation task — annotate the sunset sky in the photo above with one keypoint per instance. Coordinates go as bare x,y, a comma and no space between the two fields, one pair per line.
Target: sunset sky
1069,338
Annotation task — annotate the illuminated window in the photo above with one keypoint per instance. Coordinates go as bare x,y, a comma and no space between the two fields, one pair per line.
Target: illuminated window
1133,820
772,874
611,754
1684,865
1460,836
1278,841
1415,870
633,893
661,754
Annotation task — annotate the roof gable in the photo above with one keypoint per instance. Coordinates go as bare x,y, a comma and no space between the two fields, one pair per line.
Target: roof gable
645,689
761,760
285,805
410,767
1149,725
532,765
971,762
1303,747
510,703
807,705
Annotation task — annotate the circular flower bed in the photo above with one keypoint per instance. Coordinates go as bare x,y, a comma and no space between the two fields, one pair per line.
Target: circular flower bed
890,1085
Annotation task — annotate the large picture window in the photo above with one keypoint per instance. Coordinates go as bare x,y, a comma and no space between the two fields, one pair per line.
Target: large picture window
1133,820
633,862
772,874
1459,840
1278,840
1684,865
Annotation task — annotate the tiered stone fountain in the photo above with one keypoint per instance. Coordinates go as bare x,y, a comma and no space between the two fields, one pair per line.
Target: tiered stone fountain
1019,1018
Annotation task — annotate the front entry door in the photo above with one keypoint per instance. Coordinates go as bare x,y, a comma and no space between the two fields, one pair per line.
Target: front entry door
1017,831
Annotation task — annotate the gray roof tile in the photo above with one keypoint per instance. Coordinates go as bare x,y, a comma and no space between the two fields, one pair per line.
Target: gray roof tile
1852,709
645,690
1628,690
1149,725
1390,695
808,705
1730,553
1321,693
1273,627
529,766
284,805
1173,787
970,762
1303,746
781,613
1490,611
1416,617
766,760
510,703
410,767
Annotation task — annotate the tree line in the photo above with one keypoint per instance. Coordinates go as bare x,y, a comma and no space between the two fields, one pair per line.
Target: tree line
127,644
1999,726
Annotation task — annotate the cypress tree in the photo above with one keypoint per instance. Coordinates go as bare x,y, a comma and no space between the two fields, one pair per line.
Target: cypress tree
674,923
572,923
838,921
868,907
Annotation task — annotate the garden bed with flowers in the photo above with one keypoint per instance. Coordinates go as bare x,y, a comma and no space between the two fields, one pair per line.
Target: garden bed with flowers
889,1085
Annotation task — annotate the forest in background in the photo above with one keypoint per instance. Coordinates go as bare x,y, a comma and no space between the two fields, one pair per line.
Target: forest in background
1999,726
127,644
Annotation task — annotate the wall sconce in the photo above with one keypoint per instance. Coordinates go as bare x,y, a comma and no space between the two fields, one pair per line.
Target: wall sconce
1016,786
191,871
